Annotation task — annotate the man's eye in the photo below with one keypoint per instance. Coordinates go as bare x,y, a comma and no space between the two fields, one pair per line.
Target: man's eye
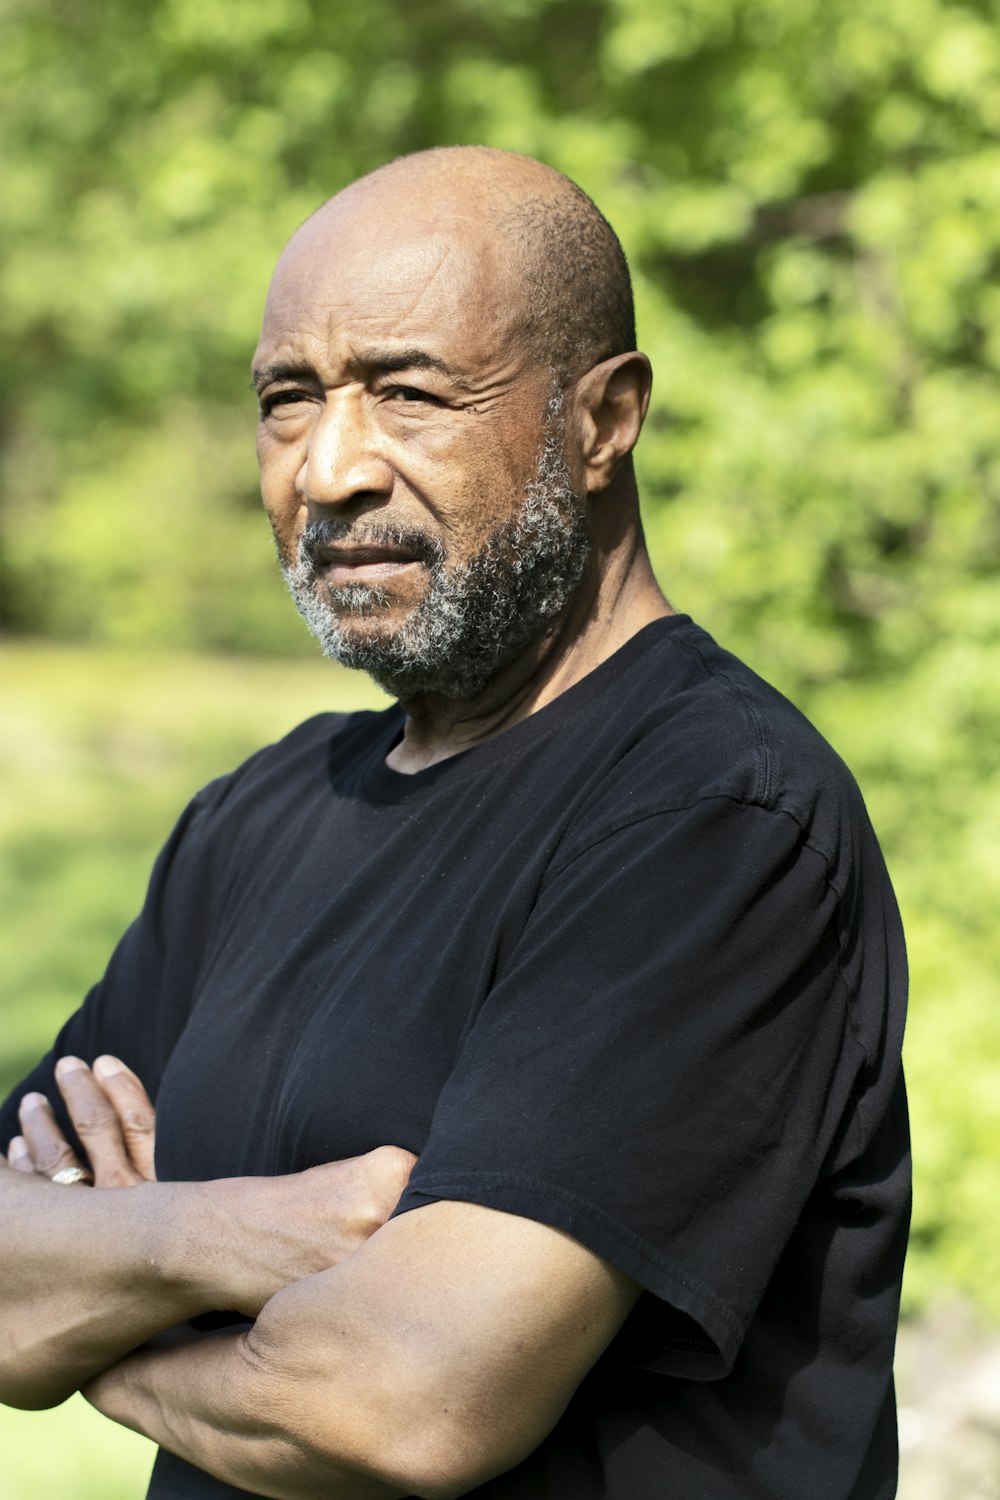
407,393
283,399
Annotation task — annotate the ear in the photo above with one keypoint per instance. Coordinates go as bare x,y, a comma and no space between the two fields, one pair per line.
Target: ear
609,404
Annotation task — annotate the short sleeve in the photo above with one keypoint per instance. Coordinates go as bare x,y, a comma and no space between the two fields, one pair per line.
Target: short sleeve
663,1064
138,1008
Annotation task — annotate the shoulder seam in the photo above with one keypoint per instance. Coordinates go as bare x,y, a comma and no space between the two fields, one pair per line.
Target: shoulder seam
645,814
762,739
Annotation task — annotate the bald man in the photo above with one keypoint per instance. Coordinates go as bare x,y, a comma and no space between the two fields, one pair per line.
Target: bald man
525,1057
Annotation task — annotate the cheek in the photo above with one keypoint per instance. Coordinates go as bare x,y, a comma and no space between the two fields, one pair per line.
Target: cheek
282,502
479,483
492,492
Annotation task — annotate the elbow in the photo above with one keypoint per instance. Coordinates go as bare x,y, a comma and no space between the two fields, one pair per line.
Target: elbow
29,1381
442,1445
434,1461
28,1396
441,1465
407,1434
451,1456
30,1390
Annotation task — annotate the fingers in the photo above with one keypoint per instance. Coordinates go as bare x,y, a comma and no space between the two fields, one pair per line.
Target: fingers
135,1110
18,1155
113,1117
370,1186
95,1116
48,1150
394,1165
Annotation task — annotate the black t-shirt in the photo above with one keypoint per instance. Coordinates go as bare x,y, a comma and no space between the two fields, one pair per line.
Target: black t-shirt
633,969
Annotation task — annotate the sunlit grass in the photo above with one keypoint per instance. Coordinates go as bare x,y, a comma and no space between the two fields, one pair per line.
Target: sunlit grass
71,1453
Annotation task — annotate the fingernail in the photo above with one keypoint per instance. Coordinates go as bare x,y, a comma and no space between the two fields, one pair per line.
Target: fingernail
69,1065
17,1149
107,1067
32,1101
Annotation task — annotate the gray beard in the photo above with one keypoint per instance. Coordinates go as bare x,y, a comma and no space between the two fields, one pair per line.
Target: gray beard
476,617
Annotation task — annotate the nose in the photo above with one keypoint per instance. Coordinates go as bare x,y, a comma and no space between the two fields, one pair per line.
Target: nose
342,461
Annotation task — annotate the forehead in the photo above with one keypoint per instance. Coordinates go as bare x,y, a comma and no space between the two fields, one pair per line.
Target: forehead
358,278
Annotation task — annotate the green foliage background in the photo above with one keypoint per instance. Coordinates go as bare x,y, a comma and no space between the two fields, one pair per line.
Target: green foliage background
809,194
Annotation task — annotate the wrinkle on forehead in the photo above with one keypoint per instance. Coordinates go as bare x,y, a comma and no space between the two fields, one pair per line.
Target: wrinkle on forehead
404,280
422,284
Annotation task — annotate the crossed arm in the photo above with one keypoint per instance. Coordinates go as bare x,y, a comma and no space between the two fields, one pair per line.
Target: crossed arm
417,1355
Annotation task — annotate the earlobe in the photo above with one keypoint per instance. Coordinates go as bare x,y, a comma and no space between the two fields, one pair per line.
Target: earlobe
612,400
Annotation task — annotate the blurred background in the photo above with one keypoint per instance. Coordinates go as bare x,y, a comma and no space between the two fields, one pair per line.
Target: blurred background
809,195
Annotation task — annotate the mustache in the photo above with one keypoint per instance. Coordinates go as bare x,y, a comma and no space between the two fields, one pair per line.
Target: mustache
319,535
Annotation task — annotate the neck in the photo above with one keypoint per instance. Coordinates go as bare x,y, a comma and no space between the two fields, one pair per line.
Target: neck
616,600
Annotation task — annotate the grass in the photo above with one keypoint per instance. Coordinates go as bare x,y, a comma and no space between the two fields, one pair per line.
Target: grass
70,1453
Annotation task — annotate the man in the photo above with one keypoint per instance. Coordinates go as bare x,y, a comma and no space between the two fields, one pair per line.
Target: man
592,927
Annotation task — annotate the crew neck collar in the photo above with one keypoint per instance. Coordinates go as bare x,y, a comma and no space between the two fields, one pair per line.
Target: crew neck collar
383,784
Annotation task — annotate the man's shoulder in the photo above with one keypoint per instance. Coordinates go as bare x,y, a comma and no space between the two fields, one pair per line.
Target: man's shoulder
692,721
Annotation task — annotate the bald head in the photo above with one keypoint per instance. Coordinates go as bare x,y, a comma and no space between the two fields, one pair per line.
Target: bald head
566,284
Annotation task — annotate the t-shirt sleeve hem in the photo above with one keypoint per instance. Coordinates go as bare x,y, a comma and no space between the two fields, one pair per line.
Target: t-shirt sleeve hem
708,1355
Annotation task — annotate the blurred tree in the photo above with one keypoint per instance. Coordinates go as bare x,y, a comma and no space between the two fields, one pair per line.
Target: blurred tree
810,197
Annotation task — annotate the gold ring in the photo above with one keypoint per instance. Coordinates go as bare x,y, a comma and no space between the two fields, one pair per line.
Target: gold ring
69,1175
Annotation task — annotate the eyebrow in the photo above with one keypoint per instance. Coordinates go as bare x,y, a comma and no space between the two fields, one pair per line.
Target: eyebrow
262,375
378,361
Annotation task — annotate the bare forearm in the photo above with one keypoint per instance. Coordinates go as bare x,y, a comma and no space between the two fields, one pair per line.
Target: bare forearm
212,1404
436,1357
89,1275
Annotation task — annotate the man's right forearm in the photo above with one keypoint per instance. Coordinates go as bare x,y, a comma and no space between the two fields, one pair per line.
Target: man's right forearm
88,1275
